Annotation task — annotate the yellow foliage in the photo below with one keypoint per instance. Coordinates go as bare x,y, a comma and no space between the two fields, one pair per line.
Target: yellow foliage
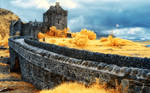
73,35
14,75
80,40
103,39
53,41
53,29
80,88
4,53
91,35
86,40
5,19
61,44
3,64
54,32
17,87
4,41
57,33
117,42
66,30
60,33
0,37
41,35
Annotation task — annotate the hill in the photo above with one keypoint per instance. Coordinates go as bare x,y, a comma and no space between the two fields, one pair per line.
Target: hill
5,17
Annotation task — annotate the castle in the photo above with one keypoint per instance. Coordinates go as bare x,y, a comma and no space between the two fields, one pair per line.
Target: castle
54,16
48,65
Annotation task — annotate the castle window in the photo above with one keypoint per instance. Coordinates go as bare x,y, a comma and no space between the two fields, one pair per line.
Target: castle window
58,21
46,19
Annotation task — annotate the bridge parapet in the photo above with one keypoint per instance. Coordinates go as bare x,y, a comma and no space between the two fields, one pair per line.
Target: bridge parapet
47,65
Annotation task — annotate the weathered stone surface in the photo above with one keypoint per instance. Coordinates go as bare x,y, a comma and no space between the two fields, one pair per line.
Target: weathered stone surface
12,83
4,68
55,16
122,61
4,60
45,66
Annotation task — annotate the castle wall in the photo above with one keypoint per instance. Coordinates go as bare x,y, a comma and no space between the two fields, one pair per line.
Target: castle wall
15,27
46,69
31,29
26,29
60,21
94,56
55,16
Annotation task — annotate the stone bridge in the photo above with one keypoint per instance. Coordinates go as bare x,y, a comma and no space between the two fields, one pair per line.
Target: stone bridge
47,65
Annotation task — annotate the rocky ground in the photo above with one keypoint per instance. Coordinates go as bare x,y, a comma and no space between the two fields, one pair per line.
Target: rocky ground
12,83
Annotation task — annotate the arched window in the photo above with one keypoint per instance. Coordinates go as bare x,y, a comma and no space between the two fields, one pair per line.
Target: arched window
46,19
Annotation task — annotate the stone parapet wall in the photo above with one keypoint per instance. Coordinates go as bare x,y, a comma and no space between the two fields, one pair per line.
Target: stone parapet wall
47,65
94,56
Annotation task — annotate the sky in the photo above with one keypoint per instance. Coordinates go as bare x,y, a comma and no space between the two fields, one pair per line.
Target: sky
129,19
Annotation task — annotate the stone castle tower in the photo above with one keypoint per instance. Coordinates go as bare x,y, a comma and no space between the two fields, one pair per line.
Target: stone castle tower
55,16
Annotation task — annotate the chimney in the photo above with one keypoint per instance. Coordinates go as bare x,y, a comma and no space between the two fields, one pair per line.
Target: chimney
57,3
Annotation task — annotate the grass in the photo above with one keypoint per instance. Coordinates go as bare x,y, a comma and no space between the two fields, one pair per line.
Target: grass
74,87
125,48
86,40
4,53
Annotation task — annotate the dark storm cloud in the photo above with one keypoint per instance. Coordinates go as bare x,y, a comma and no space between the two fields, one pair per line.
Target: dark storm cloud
97,15
105,15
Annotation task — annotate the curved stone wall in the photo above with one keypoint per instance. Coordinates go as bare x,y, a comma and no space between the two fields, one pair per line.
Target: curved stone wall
46,65
94,56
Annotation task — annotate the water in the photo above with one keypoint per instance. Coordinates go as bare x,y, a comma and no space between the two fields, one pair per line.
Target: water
131,33
147,45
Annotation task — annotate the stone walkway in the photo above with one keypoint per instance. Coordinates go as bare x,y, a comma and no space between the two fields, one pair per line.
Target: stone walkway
12,83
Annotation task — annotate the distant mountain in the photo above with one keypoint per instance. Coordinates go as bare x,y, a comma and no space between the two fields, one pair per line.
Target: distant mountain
5,17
